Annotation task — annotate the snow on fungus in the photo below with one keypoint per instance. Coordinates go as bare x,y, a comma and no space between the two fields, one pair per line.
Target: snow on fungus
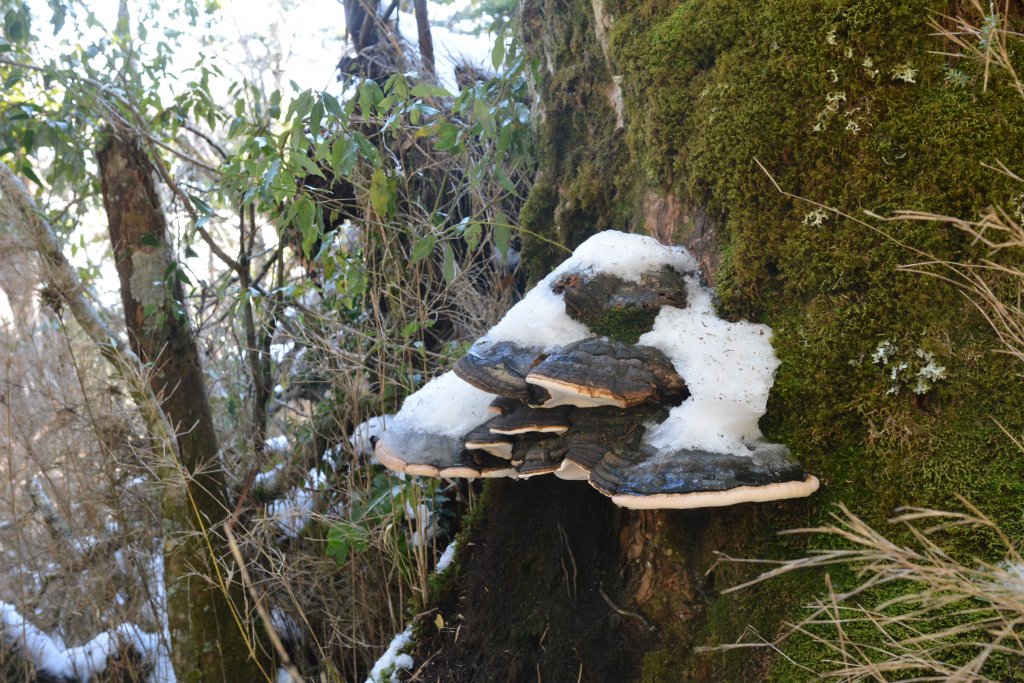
668,422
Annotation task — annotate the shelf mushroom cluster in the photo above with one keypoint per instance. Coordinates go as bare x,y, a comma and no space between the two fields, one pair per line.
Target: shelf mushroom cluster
613,369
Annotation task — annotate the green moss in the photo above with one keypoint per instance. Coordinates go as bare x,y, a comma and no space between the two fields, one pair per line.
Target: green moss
625,324
815,91
443,589
586,174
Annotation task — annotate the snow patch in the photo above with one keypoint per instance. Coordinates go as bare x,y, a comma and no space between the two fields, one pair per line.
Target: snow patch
292,513
276,444
393,660
446,406
540,320
83,662
446,558
729,369
365,435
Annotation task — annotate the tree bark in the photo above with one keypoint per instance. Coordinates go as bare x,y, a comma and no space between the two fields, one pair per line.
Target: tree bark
423,32
659,118
206,609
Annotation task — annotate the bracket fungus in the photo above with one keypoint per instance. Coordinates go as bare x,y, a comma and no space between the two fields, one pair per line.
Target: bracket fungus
663,417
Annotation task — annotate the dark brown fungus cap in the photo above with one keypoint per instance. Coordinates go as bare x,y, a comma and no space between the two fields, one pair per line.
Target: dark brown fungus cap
604,372
499,368
591,297
542,456
483,439
525,420
403,450
645,479
502,405
433,455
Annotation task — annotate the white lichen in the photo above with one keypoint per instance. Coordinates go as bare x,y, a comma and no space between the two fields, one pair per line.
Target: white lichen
928,374
905,72
919,372
816,217
869,67
883,353
834,100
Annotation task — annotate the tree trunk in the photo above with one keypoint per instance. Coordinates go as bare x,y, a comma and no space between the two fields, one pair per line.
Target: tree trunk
209,625
423,34
654,117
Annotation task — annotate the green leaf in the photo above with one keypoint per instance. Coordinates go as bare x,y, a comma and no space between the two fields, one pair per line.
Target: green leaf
16,26
339,152
331,105
410,329
28,139
498,51
504,181
370,96
355,282
502,234
306,163
382,193
472,235
325,245
305,220
13,78
201,206
316,115
423,248
338,545
423,89
60,14
150,240
28,172
449,269
271,174
398,85
301,105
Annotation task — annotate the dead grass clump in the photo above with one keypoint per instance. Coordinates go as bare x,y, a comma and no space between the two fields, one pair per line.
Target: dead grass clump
915,612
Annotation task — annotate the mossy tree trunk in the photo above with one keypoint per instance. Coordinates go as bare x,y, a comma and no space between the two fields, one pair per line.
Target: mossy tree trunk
209,629
656,117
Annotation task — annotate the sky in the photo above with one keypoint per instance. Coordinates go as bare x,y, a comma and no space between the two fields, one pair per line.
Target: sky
310,33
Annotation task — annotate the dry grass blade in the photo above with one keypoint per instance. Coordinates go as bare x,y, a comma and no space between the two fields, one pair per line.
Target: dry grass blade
950,618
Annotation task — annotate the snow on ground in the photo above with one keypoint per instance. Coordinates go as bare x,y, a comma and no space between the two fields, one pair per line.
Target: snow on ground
81,663
394,660
292,512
